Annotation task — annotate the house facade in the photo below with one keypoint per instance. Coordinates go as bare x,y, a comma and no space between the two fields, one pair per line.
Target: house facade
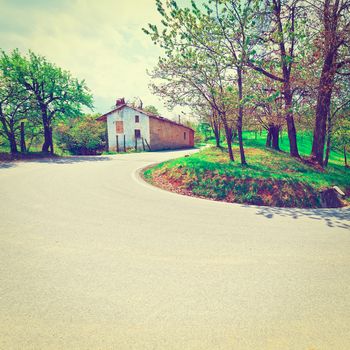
130,127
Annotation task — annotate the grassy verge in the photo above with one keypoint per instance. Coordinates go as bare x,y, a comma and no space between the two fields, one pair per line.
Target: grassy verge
271,178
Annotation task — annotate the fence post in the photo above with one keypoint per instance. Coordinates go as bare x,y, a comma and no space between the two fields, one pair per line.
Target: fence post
124,144
149,147
117,143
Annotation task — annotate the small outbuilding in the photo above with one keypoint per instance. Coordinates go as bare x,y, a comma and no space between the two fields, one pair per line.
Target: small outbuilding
130,127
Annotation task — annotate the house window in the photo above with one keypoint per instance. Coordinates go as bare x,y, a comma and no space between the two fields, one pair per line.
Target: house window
184,136
137,133
137,119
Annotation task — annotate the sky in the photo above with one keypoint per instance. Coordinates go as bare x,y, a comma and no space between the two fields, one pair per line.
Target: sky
100,41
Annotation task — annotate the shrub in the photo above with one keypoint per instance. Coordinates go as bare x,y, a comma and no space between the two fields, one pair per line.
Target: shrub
82,135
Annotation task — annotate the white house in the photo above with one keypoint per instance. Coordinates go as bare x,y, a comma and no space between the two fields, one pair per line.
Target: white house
130,127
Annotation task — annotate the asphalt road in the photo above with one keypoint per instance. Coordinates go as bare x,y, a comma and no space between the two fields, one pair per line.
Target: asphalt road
93,258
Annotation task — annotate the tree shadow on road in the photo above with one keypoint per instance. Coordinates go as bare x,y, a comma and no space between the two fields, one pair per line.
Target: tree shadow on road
70,160
55,160
7,165
339,218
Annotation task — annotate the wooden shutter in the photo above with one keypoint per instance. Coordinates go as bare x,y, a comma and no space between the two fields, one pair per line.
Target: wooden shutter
119,127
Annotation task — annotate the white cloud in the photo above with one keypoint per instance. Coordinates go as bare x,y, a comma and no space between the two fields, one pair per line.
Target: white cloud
99,41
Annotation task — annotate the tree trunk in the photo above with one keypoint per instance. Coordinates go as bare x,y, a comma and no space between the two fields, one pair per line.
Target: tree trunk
328,150
13,143
322,110
217,139
287,91
275,138
47,139
240,116
272,140
269,137
228,134
326,81
292,133
329,136
23,140
233,135
47,130
345,158
216,127
51,142
8,129
241,146
216,130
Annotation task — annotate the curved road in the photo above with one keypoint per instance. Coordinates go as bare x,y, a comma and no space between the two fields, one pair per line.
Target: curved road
93,258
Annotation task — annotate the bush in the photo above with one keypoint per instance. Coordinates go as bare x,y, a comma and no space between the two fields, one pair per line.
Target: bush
84,136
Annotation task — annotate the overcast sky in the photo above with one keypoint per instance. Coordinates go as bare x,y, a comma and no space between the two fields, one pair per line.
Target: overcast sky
100,41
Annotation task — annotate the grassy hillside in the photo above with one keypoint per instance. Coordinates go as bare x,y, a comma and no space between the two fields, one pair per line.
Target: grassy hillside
304,144
271,178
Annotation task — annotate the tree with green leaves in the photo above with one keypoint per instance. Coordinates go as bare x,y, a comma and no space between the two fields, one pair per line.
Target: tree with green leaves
280,46
82,135
266,107
151,109
334,47
15,103
193,78
339,110
232,25
208,119
266,37
57,94
190,33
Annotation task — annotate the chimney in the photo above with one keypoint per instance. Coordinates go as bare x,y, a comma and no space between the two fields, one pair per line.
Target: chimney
120,102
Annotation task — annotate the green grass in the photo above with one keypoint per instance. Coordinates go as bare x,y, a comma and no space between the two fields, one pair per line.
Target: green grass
264,164
304,144
34,151
107,153
271,177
